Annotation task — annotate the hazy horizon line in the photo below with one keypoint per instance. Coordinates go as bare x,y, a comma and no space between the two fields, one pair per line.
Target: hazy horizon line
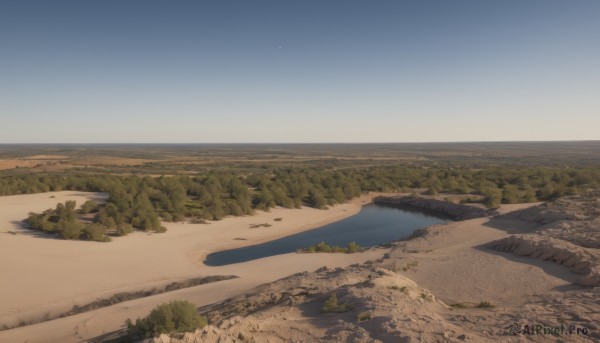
291,143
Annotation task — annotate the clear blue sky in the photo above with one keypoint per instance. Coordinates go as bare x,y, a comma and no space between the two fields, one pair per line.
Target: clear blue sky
298,71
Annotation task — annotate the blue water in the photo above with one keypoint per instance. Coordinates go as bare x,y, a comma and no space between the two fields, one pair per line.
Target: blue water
373,225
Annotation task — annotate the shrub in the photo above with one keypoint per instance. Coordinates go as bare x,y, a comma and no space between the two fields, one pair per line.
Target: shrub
90,206
458,305
94,232
493,196
331,305
361,317
402,289
352,247
167,216
323,247
69,229
124,229
485,304
178,315
255,226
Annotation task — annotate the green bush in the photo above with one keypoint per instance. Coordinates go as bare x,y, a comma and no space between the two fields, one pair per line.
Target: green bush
175,316
90,206
352,247
124,229
70,229
95,232
493,197
331,305
323,247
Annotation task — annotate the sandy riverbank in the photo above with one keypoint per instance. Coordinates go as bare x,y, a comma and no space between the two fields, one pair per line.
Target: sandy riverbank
44,276
446,284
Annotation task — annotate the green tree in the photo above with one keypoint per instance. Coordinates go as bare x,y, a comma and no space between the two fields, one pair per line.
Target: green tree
493,197
316,199
529,195
67,226
510,194
240,193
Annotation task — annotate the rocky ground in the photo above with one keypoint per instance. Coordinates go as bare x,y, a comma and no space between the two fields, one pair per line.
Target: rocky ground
452,210
532,269
565,231
385,307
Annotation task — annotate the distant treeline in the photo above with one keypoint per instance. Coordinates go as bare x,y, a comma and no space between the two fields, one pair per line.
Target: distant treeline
140,202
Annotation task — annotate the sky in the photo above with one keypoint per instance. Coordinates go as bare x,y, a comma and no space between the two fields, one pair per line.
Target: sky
124,71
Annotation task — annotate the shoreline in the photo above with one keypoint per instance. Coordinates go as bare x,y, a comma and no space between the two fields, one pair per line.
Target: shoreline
338,212
425,261
132,263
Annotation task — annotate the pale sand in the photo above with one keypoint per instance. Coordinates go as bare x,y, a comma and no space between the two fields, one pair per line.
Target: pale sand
453,262
42,275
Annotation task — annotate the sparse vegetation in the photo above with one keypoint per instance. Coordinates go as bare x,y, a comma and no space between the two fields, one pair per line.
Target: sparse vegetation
256,226
410,265
402,289
352,247
458,305
485,304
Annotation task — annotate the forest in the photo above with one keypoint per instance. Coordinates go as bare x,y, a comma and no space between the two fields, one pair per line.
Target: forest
141,203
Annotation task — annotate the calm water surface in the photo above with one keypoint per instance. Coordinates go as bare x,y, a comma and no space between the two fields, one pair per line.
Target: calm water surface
373,225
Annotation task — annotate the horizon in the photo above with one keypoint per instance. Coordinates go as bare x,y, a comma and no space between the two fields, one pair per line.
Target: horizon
268,72
302,143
